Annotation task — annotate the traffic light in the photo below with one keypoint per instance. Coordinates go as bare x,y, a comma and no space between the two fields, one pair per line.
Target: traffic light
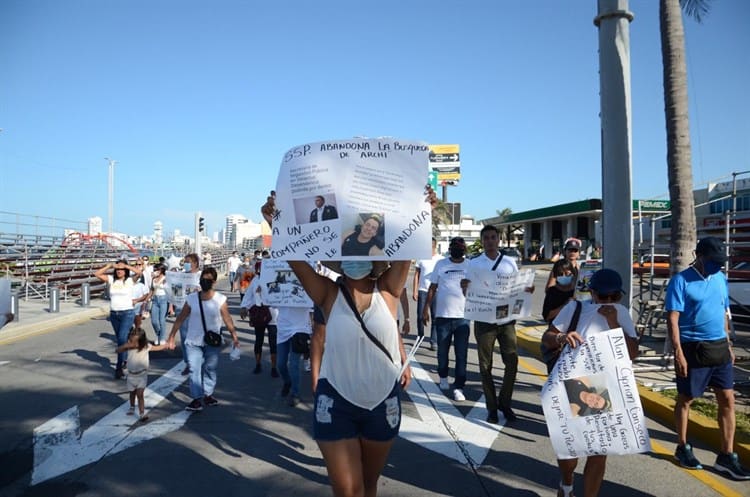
201,226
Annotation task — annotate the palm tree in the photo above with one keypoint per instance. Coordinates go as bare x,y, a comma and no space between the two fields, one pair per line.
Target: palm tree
504,215
440,215
679,168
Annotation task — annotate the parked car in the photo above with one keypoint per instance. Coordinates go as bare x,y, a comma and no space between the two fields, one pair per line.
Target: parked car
660,264
513,253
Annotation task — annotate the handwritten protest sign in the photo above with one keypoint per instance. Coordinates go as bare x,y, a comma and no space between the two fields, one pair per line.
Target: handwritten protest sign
280,286
353,199
492,297
591,402
179,285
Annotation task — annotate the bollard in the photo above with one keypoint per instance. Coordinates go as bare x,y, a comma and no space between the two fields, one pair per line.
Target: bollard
54,299
85,295
14,305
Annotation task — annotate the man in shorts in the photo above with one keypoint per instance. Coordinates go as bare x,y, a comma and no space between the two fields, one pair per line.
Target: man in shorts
697,302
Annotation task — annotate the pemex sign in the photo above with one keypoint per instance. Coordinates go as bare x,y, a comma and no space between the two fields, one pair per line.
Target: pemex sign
652,205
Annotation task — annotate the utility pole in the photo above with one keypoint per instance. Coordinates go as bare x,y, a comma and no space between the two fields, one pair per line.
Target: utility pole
111,192
613,21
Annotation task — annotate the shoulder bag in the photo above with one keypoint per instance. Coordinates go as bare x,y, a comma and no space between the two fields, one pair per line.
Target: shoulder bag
211,338
550,356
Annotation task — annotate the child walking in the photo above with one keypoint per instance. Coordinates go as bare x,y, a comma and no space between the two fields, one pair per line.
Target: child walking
138,348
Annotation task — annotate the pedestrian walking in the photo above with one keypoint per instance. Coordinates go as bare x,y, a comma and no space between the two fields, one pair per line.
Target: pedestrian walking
159,303
137,349
697,305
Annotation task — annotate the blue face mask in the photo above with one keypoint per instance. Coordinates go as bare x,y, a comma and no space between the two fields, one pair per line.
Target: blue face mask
356,270
565,279
711,267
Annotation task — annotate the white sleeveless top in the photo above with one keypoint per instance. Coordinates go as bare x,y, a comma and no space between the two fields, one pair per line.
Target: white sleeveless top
352,363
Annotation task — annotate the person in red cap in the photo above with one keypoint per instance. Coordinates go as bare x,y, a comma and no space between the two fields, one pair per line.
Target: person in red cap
698,324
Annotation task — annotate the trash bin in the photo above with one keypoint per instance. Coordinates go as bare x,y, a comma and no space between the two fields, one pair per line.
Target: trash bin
85,295
54,299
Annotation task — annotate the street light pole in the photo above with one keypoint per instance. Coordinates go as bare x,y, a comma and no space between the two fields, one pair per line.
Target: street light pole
111,192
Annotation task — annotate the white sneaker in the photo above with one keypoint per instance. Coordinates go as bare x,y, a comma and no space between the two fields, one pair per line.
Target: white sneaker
444,384
307,365
458,395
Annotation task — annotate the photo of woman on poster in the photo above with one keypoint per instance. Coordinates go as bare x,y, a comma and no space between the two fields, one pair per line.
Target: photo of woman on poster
366,238
585,399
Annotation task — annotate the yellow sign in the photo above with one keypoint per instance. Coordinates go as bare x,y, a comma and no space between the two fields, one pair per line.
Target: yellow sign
444,149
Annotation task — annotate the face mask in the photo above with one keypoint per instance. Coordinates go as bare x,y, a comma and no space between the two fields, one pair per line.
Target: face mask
356,270
206,284
711,267
564,280
457,252
187,267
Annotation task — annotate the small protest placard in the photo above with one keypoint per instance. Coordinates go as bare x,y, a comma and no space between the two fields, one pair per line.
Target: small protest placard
353,199
591,401
493,297
280,286
180,285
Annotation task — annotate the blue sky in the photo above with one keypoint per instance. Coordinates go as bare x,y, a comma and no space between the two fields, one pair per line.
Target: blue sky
197,101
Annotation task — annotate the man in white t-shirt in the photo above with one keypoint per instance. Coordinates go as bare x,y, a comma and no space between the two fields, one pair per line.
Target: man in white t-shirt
233,263
450,324
422,272
503,331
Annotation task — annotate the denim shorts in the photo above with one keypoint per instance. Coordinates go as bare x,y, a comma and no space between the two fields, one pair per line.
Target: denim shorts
335,418
698,379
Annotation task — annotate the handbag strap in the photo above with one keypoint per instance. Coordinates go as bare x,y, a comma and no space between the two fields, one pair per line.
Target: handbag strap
348,297
576,315
497,262
203,316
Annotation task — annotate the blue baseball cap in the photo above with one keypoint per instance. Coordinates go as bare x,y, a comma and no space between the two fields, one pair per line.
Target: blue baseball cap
606,281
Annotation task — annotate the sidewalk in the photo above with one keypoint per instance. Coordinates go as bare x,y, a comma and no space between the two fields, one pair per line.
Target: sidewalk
34,318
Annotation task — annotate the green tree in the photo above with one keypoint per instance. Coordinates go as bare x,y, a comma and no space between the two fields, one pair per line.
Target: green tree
504,215
440,215
679,168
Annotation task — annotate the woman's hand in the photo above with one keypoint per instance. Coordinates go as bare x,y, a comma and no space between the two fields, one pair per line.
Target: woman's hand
431,197
406,378
572,338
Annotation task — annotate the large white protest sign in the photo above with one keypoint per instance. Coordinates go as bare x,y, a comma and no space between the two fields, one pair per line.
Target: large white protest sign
591,402
492,297
353,199
280,286
179,285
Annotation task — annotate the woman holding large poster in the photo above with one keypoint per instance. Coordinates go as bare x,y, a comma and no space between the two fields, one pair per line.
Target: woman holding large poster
602,313
356,381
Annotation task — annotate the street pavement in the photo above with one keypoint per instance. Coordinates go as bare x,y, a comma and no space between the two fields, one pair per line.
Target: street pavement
254,444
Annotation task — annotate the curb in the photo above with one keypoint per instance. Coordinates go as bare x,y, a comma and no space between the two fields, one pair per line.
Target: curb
12,334
656,405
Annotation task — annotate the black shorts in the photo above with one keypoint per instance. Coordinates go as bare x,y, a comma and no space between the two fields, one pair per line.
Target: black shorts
335,418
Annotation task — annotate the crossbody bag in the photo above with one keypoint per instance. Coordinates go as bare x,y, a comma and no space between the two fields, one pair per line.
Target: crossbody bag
211,338
551,356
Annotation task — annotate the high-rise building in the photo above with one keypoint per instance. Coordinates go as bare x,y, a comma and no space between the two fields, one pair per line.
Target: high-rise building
232,221
158,232
95,225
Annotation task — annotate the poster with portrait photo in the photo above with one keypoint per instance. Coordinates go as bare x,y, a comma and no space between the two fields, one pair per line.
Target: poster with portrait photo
591,402
180,285
280,286
492,297
359,178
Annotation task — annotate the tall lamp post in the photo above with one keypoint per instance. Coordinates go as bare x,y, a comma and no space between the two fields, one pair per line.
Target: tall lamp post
111,192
